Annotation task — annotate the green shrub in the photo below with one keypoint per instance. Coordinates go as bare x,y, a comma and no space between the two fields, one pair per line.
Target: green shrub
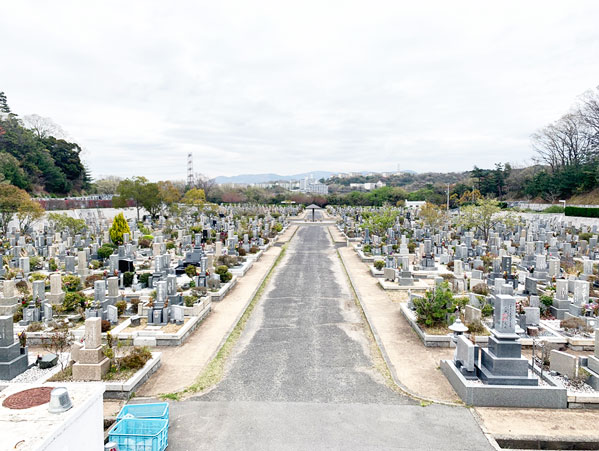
585,236
128,278
36,263
223,272
278,227
189,300
379,264
105,251
547,301
554,209
191,271
72,300
37,276
487,310
71,283
52,266
96,264
136,358
121,307
144,277
367,249
433,308
582,211
170,245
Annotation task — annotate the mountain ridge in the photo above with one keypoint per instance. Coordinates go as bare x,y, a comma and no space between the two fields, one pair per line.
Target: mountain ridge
271,177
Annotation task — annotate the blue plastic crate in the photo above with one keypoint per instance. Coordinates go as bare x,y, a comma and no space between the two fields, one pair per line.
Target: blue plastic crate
157,410
133,434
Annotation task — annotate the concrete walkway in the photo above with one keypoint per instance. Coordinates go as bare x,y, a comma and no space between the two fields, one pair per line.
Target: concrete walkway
182,365
303,375
417,367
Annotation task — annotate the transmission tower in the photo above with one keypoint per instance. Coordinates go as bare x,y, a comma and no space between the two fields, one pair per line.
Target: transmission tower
190,178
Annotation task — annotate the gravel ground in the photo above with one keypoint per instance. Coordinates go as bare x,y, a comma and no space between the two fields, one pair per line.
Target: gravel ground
35,374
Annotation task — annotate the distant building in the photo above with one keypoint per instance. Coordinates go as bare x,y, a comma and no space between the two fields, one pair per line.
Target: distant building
310,185
367,186
415,203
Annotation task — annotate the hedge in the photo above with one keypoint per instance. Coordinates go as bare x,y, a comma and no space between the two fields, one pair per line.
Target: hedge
582,211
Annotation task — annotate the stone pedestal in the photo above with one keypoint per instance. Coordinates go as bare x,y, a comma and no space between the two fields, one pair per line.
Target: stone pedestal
90,363
502,362
8,306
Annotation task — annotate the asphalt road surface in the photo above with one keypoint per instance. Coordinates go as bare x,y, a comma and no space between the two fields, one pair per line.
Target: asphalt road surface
303,376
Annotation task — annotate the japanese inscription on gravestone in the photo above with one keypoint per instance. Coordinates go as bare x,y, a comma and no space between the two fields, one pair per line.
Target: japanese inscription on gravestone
505,314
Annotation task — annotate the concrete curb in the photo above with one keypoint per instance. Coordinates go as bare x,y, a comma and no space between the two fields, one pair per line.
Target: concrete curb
405,389
382,347
546,442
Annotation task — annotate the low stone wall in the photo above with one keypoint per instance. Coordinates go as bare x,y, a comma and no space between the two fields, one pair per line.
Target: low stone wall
124,390
473,393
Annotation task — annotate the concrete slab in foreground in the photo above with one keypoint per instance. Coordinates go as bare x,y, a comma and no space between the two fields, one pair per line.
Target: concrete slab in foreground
223,425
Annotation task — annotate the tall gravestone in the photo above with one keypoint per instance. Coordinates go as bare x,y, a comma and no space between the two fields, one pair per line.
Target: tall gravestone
501,362
56,295
90,362
9,302
13,359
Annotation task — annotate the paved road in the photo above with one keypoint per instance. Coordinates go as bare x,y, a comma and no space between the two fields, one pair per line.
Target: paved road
303,376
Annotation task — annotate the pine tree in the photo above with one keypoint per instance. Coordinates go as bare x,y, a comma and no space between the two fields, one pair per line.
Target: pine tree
118,229
4,108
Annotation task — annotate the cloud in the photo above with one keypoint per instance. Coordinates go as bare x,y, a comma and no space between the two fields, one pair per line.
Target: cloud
277,87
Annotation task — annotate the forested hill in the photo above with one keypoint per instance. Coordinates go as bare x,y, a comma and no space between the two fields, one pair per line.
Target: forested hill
34,160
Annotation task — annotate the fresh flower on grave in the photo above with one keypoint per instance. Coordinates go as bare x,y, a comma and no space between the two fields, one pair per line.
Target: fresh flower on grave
22,336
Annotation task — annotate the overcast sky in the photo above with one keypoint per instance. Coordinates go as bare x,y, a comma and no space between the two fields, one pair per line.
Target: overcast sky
288,87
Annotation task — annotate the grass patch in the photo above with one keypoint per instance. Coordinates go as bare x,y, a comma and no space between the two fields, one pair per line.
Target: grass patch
215,370
435,330
65,375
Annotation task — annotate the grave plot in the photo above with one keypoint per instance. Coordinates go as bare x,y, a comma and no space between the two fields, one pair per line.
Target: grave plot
547,266
78,287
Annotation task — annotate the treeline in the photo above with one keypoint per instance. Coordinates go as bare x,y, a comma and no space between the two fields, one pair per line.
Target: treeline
569,149
33,159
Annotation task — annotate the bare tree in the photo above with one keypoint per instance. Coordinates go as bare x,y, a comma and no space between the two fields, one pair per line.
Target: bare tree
205,183
589,113
107,185
43,127
563,143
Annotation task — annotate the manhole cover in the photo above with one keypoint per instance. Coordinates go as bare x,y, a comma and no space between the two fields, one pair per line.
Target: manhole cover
28,398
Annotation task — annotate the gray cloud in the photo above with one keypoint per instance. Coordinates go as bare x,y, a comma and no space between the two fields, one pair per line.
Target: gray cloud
293,87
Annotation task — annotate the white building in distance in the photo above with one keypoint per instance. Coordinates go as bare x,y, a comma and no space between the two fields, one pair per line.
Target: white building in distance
310,185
